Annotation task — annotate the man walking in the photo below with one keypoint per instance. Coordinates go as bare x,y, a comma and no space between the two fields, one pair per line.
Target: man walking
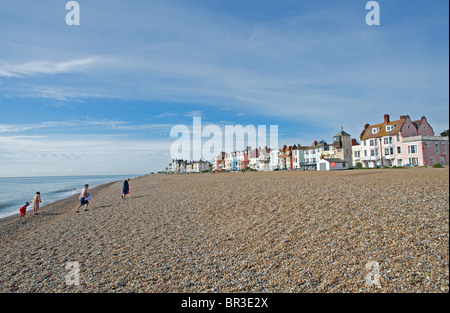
84,198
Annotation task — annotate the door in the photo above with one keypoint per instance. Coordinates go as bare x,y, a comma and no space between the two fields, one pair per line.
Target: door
322,167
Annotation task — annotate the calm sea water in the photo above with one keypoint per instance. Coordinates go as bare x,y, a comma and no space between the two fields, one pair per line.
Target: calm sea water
15,191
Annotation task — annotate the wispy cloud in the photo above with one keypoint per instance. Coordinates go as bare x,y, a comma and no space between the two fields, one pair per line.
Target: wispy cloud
89,124
310,67
45,67
167,115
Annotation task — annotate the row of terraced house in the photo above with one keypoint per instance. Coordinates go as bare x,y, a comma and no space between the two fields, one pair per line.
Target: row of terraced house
289,157
402,142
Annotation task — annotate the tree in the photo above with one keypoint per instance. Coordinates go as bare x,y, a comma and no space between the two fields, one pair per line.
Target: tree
445,133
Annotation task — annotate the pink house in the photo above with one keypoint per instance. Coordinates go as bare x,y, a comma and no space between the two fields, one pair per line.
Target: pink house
402,142
425,150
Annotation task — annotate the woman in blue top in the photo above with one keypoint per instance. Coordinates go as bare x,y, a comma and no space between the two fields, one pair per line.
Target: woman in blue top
125,188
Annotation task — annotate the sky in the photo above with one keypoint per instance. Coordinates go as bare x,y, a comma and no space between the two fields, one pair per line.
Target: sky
102,97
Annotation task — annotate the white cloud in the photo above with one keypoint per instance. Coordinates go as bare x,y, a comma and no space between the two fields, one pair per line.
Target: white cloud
45,67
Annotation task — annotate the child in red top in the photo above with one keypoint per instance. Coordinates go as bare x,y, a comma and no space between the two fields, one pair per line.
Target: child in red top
23,210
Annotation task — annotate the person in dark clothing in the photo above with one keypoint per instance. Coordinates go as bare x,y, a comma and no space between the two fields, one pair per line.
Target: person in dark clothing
125,188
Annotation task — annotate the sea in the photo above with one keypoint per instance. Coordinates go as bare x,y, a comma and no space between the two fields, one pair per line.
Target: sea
16,191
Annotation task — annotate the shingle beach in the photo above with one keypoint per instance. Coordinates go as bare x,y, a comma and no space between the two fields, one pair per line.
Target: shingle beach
270,232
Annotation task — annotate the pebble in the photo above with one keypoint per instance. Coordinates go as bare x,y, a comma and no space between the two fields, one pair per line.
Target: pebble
256,232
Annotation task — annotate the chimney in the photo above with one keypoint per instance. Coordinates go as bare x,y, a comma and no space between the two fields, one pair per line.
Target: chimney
366,126
315,143
386,119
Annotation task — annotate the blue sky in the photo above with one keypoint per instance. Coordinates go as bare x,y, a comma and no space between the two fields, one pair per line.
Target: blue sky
101,98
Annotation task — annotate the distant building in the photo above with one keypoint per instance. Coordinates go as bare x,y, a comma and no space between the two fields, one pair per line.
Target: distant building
356,152
342,146
402,142
264,159
286,160
274,163
219,162
253,158
327,164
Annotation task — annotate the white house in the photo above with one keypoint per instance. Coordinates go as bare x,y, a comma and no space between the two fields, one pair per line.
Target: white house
200,166
274,162
357,152
327,165
228,161
264,159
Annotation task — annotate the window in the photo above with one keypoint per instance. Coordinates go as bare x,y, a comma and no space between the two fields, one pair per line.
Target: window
399,162
444,148
377,152
425,127
398,138
409,126
431,160
375,130
372,142
372,152
399,149
365,153
388,140
389,128
414,161
386,151
442,160
412,149
437,147
391,151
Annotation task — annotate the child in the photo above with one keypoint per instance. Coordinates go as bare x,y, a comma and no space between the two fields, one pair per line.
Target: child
23,210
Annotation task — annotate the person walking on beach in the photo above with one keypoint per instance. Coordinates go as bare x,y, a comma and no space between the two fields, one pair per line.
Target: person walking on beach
125,188
23,210
84,198
36,201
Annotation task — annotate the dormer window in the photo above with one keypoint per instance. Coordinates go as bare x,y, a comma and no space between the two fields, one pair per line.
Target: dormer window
389,128
375,130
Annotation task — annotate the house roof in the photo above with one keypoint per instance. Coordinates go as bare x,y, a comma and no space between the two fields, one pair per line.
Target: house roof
367,133
335,160
264,150
342,133
285,151
221,156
